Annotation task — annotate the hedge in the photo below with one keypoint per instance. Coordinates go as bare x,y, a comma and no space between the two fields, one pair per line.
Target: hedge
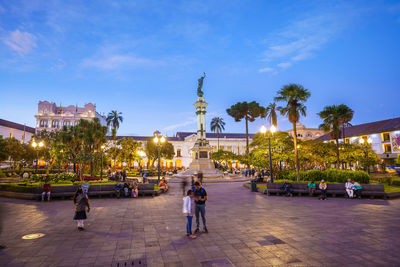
329,175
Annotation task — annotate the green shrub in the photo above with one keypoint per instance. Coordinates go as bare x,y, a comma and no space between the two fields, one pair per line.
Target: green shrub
329,175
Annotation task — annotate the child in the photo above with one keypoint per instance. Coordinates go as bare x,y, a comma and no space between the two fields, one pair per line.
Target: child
81,201
135,190
323,186
188,211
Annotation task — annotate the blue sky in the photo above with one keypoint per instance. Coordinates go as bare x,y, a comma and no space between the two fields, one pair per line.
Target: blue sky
143,58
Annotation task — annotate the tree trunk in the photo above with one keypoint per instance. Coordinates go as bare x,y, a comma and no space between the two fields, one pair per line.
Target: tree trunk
337,154
296,152
247,135
218,140
91,167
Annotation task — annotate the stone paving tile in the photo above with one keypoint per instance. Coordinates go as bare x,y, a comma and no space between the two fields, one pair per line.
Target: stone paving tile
247,229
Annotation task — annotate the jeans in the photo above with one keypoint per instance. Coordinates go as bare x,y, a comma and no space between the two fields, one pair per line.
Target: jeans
189,225
44,194
200,208
323,194
287,190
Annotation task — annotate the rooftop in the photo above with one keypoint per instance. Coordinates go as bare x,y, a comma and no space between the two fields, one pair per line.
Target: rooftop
17,126
368,128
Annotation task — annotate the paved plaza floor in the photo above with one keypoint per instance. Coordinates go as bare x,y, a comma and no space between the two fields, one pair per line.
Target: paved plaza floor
245,229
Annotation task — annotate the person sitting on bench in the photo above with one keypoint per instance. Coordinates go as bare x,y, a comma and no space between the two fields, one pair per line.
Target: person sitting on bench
349,188
287,188
163,185
46,191
311,188
357,189
117,189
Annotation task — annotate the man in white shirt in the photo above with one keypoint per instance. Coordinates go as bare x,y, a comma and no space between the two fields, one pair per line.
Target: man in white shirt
349,188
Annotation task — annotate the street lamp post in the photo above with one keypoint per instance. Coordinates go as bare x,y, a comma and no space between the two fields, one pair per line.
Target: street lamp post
159,140
101,168
369,141
37,146
263,130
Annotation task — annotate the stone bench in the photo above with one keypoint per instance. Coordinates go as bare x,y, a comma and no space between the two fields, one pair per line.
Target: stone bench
333,190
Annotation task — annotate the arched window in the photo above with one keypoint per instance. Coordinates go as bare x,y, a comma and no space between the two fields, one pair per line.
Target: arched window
54,124
178,152
43,123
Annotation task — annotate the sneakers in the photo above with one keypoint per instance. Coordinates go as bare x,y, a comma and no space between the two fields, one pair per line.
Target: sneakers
193,236
197,231
81,228
205,230
187,234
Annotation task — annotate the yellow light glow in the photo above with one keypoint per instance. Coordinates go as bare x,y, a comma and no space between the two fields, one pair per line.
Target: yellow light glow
103,146
362,141
263,129
34,144
162,139
369,140
41,144
155,139
273,129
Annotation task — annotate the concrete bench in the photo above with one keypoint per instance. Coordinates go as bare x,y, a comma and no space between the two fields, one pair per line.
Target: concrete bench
333,190
146,189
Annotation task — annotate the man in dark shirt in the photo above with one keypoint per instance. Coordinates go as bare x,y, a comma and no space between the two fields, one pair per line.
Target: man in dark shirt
200,198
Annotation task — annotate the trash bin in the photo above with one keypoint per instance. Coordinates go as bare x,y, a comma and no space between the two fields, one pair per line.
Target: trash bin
253,185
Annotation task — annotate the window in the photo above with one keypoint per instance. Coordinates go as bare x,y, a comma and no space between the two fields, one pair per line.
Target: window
67,123
385,137
178,152
387,148
346,141
222,147
299,135
309,135
229,148
11,135
43,123
54,124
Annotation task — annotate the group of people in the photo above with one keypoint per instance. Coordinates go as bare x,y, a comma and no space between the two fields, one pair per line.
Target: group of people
353,189
117,176
194,204
128,189
287,188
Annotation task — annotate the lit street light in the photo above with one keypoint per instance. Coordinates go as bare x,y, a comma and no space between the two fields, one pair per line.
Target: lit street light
159,140
37,146
263,130
369,141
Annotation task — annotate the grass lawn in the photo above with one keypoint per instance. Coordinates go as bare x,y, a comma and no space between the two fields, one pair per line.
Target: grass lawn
388,188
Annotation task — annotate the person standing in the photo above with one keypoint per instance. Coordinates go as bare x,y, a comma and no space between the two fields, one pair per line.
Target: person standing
81,202
184,183
200,177
200,198
323,186
188,211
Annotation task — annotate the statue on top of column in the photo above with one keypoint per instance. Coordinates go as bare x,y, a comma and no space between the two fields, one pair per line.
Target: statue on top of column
200,86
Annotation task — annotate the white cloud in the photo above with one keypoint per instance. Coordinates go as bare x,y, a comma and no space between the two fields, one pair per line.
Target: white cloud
189,121
284,65
303,38
266,70
116,61
21,42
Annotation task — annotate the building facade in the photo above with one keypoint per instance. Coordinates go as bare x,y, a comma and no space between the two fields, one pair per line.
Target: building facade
51,117
183,143
304,133
21,132
384,136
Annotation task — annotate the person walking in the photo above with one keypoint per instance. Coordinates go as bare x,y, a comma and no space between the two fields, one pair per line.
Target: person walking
188,211
81,202
200,177
184,184
200,198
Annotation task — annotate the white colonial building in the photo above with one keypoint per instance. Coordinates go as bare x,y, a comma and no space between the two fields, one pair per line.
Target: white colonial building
183,143
51,117
304,133
21,132
383,135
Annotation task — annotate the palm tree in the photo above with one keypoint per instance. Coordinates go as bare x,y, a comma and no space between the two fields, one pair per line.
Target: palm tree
217,125
249,112
271,114
294,96
334,118
113,119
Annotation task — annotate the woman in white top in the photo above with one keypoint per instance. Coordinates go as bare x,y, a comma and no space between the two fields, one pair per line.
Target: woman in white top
188,211
349,188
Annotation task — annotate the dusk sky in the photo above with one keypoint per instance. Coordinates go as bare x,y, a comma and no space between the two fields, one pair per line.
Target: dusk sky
143,58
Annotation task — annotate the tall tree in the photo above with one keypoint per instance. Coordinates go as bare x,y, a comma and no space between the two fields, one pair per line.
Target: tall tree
167,150
247,111
271,114
114,118
334,117
129,149
217,125
294,96
3,149
346,116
